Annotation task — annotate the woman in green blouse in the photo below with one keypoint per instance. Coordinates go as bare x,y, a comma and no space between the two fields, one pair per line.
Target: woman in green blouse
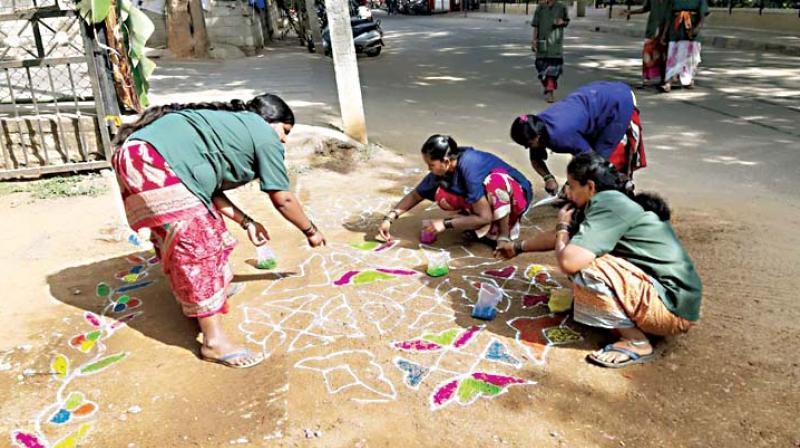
630,273
174,165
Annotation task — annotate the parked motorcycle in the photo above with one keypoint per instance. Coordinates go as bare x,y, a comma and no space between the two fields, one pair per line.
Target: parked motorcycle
367,32
367,37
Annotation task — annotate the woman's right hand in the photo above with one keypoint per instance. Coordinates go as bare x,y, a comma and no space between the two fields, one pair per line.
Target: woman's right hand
383,230
505,250
551,186
257,233
317,239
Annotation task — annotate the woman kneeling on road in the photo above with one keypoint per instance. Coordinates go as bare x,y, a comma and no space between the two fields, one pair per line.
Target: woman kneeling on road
173,166
490,195
629,271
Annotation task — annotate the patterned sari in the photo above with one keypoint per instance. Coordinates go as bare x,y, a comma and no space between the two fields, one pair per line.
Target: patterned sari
192,242
506,198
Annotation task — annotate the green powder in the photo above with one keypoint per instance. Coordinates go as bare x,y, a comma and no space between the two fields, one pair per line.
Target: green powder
269,263
469,387
367,245
444,338
371,276
438,271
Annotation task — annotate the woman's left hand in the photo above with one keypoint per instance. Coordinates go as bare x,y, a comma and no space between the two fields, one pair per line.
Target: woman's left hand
258,234
565,214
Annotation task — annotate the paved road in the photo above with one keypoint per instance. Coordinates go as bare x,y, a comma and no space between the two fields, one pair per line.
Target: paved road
736,135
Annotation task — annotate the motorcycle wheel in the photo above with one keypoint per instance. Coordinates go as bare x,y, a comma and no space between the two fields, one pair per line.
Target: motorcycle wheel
373,52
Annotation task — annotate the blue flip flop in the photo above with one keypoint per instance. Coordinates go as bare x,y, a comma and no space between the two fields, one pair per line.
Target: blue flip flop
633,358
226,359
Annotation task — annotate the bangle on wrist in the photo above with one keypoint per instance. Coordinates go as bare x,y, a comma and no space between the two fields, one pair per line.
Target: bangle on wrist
562,227
246,221
311,230
503,239
518,249
448,223
547,177
391,216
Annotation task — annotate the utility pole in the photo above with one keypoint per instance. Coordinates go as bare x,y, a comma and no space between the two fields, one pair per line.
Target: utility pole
346,68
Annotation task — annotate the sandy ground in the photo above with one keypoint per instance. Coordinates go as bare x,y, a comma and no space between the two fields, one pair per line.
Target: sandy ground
332,377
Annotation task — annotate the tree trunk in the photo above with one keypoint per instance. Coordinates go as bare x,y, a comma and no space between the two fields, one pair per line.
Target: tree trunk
186,30
346,69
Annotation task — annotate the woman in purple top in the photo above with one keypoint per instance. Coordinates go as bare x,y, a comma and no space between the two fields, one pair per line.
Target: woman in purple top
600,116
489,194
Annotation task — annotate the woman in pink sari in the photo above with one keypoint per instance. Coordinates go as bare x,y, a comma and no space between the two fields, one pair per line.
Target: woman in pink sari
173,166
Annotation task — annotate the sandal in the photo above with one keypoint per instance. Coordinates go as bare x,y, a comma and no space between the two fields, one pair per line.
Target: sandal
633,357
226,359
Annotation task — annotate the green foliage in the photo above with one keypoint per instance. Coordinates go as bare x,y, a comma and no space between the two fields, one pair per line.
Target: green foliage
56,187
135,28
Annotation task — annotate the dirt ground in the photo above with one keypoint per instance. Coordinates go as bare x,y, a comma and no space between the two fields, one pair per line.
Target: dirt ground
332,377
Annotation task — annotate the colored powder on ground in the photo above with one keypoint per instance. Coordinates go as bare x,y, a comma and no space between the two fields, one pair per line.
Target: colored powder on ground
414,372
417,346
444,338
530,300
396,271
470,387
269,263
74,440
85,410
444,393
60,366
367,277
345,279
438,271
506,272
103,290
93,335
92,319
562,335
367,245
103,363
136,269
386,246
61,417
120,307
466,336
123,299
27,440
130,278
73,401
498,352
497,380
134,287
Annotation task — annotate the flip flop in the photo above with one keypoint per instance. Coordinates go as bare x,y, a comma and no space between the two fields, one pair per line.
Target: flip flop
633,358
225,360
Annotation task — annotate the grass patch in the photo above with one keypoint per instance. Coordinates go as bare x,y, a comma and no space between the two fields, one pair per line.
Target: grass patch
57,187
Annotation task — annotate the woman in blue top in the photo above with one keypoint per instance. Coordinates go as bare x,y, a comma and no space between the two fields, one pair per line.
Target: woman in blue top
490,194
600,116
